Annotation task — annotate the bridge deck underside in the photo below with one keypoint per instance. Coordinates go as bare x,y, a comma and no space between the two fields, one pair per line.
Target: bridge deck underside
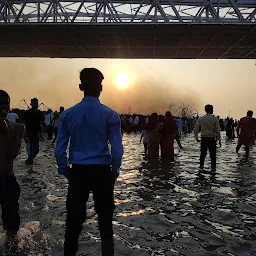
163,41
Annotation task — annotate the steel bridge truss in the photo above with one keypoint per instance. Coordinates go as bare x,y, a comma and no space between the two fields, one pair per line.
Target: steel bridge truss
131,11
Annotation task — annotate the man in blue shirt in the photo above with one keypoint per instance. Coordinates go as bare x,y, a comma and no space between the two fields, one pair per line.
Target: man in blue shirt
88,127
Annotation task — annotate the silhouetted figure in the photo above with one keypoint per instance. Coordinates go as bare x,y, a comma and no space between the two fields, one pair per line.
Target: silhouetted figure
33,120
154,127
169,131
136,123
246,130
89,126
190,125
144,137
235,128
230,128
221,123
11,135
48,120
161,119
56,121
210,130
179,124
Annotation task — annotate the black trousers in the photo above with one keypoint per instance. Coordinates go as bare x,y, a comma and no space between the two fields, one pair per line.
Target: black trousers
49,132
55,134
146,147
177,138
208,143
34,149
84,179
9,197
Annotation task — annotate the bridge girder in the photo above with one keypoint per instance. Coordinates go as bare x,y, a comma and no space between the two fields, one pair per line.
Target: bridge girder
131,11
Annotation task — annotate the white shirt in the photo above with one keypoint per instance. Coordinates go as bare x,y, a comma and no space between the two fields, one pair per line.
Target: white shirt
12,117
48,119
209,126
136,120
144,135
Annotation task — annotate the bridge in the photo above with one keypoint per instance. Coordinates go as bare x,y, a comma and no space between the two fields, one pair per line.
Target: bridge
148,29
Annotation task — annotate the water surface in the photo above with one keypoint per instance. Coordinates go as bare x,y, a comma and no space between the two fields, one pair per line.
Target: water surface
161,208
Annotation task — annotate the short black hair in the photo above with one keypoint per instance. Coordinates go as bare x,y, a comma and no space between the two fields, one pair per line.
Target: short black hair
34,100
4,94
249,113
91,76
168,113
209,109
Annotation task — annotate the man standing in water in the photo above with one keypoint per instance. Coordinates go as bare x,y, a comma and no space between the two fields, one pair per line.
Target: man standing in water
56,123
33,120
210,131
11,135
89,126
246,130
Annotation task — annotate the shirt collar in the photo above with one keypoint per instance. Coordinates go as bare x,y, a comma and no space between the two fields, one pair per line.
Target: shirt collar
91,98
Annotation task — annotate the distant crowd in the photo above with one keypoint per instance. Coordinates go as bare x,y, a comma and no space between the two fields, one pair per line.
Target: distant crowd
129,123
137,123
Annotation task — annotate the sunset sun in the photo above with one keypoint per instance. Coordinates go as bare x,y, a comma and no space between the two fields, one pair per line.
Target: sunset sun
122,81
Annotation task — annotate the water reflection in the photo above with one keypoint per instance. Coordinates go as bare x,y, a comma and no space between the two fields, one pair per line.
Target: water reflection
162,208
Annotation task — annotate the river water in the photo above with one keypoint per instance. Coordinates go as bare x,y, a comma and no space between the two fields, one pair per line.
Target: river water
161,208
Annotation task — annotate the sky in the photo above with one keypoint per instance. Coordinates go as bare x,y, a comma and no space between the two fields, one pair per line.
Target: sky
229,85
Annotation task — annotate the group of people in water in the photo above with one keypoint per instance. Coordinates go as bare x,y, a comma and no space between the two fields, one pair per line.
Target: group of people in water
137,123
86,129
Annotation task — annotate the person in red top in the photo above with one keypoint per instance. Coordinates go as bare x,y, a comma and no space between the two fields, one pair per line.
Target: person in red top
169,131
246,130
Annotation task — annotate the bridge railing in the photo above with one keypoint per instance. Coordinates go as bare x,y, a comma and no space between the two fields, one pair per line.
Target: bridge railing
131,11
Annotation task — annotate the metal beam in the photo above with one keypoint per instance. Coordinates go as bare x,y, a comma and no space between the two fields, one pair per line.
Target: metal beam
252,15
130,11
237,11
175,11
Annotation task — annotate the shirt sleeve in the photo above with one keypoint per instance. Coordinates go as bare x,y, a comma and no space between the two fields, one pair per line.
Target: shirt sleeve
217,128
115,139
197,128
61,147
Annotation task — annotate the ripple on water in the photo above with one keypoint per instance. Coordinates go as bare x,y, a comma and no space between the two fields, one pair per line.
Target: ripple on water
161,208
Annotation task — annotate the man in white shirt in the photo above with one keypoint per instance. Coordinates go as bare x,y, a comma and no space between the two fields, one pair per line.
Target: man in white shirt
12,117
136,123
49,123
136,120
210,131
56,121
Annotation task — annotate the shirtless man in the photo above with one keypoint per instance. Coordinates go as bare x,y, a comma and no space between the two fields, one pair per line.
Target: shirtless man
11,135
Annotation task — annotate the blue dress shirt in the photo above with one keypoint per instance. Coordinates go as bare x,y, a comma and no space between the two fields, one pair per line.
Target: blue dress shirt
89,126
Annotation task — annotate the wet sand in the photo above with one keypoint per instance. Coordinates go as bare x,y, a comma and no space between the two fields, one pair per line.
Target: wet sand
161,208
